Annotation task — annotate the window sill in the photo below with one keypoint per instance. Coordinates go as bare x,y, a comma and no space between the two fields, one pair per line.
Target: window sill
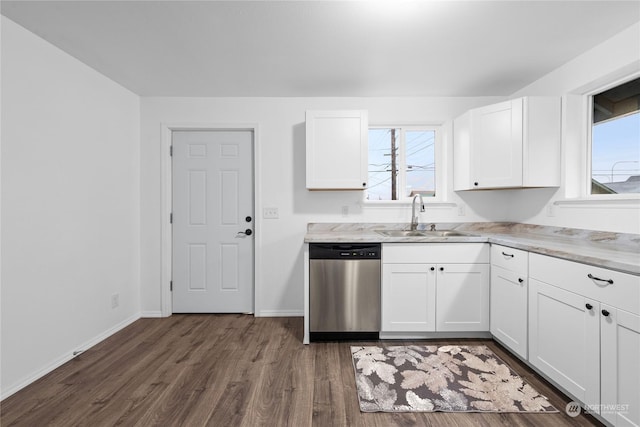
617,200
406,203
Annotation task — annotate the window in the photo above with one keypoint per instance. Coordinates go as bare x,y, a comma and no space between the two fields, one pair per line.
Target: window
402,162
615,140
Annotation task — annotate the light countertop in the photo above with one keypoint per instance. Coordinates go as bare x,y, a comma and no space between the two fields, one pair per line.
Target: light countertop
615,251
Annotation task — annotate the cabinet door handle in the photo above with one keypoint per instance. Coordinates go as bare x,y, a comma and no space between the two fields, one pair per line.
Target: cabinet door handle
605,313
433,268
475,183
592,277
364,184
509,255
588,306
441,268
520,280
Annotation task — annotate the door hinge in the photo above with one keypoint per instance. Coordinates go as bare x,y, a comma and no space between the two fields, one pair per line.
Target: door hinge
171,218
171,286
171,150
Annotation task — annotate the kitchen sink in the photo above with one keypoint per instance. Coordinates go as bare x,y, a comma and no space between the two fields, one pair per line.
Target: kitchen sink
422,233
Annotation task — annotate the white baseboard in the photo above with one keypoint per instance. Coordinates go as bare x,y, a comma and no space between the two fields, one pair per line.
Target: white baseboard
149,314
280,313
62,360
261,313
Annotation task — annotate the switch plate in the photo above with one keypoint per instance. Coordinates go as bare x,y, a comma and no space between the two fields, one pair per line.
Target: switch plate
270,213
115,300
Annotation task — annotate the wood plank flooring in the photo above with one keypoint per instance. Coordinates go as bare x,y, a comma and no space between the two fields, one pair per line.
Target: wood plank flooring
230,370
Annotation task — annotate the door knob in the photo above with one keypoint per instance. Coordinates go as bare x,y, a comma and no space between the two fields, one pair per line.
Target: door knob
248,219
247,232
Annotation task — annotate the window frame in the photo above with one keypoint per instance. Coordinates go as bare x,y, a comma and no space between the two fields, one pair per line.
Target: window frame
588,101
439,160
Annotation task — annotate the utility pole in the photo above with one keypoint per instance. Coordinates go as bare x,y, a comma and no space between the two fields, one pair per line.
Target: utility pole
393,165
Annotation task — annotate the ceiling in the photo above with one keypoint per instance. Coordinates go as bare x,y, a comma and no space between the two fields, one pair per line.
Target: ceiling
324,48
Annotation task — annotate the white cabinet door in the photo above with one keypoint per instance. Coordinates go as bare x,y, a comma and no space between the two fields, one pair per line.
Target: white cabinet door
511,144
337,150
408,298
564,341
462,297
509,309
496,149
620,366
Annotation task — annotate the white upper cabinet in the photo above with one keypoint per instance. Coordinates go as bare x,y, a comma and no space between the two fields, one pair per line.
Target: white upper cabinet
511,144
337,149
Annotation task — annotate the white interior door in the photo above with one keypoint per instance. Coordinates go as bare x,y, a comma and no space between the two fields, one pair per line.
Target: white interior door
213,221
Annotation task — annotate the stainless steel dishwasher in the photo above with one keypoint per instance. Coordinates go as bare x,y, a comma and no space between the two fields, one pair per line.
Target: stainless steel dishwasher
344,291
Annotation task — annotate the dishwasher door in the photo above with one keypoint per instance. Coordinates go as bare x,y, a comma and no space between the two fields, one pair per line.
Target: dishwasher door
344,299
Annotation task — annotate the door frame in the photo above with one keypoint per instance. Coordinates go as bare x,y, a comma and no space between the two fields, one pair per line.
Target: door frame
166,273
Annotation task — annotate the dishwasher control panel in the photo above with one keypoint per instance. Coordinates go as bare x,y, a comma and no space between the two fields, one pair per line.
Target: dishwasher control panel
344,251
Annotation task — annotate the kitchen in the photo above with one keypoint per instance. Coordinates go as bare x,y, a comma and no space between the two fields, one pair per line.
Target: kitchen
130,216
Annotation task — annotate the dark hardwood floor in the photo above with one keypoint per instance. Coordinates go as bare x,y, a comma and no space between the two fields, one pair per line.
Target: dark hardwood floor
230,370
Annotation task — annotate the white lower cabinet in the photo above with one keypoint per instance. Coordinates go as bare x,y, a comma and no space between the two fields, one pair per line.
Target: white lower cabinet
408,298
581,338
577,324
564,339
620,366
462,299
435,287
509,270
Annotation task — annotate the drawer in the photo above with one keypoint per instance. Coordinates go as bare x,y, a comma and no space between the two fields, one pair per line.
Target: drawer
623,292
510,259
434,253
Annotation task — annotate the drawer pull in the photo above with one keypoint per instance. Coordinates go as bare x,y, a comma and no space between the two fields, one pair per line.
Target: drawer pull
588,306
509,255
592,277
605,313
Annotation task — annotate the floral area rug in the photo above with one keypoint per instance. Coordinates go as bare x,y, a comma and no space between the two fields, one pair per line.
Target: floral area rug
440,378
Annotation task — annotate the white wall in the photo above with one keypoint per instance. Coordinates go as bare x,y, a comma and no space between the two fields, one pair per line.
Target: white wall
70,206
281,162
604,64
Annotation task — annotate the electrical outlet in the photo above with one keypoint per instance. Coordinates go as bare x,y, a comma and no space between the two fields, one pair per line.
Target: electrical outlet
551,211
115,300
270,213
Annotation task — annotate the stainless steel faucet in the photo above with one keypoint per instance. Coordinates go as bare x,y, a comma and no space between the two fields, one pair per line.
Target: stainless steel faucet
414,216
